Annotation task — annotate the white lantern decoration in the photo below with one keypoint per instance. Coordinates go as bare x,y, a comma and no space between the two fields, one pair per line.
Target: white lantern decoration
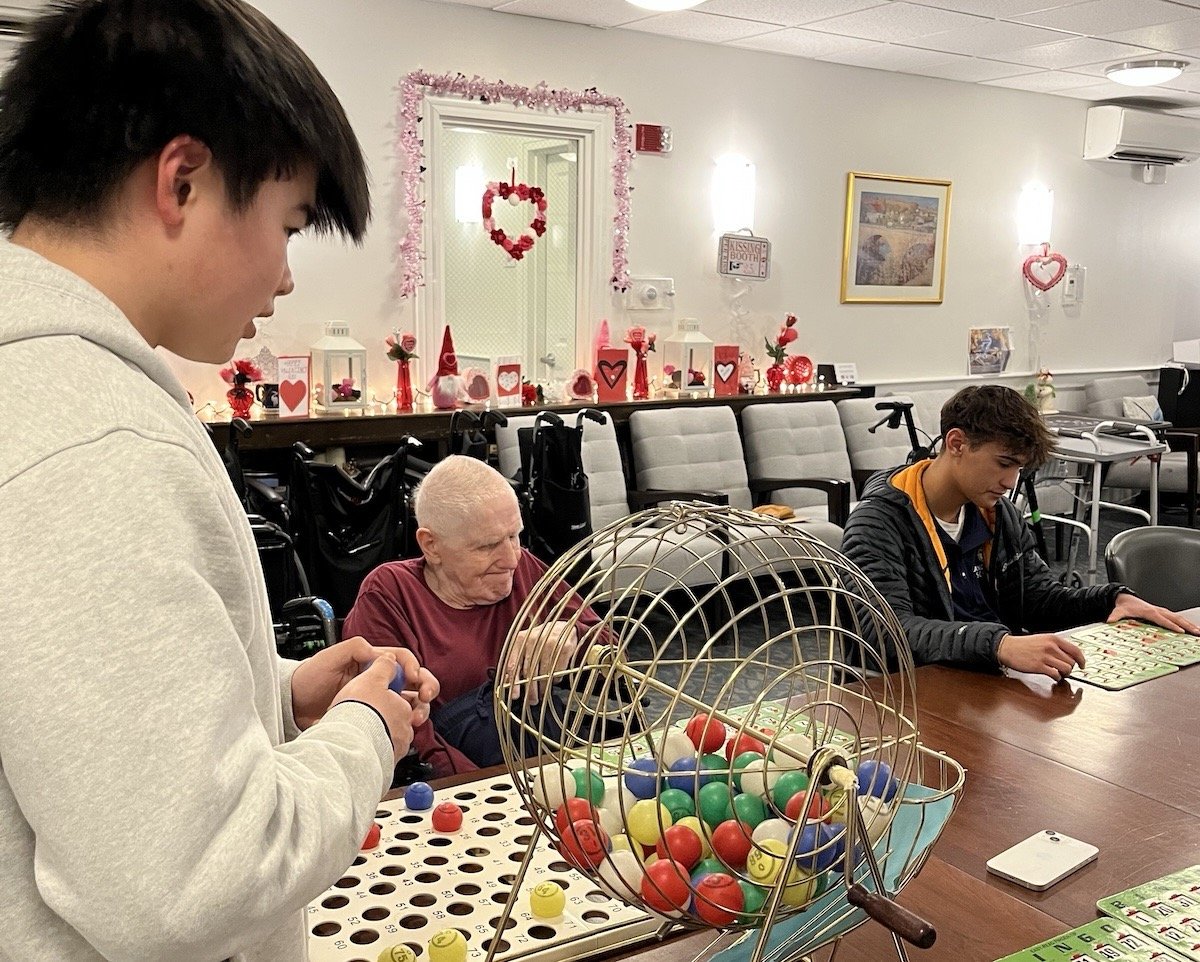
689,356
340,366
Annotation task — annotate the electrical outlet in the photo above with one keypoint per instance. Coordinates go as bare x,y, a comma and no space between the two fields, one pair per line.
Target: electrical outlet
1073,285
650,294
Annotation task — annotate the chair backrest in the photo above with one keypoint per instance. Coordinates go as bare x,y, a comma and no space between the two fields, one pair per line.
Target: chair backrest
690,449
1161,564
871,452
795,441
927,409
1105,395
601,463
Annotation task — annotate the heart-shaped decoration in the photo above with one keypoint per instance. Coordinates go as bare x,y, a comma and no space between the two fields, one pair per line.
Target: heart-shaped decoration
1039,272
581,386
478,388
508,381
612,372
292,393
514,193
724,371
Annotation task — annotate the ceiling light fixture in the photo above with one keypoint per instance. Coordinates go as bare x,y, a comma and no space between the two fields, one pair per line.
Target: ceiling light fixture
1145,73
663,5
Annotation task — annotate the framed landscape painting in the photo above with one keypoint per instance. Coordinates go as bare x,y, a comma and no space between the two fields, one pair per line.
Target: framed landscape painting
894,249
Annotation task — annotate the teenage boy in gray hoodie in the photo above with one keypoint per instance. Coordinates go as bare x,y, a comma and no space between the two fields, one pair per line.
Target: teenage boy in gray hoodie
169,788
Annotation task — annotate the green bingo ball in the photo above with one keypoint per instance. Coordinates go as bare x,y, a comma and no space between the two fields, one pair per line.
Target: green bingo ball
714,803
588,785
788,785
755,896
679,803
707,866
714,768
744,759
749,809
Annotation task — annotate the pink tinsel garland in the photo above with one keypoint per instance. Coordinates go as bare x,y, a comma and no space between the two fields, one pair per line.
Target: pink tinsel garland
410,150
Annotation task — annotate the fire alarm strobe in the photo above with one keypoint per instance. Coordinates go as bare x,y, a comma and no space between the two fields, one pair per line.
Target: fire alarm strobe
652,139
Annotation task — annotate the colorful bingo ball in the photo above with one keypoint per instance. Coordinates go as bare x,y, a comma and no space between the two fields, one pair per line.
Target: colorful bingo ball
818,807
742,744
584,843
875,778
739,763
447,817
448,945
665,886
792,751
754,897
682,845
776,828
372,838
621,873
816,850
572,810
765,861
714,803
788,785
718,899
646,821
706,866
547,900
731,842
683,776
418,797
706,733
714,768
551,785
397,953
589,785
678,803
641,777
800,888
750,809
694,823
675,745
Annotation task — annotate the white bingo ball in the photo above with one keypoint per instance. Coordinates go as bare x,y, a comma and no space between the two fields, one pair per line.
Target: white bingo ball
621,876
674,746
877,815
776,828
759,777
799,748
550,786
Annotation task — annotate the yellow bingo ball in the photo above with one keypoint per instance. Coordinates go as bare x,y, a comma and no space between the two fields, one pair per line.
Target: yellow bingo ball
448,945
800,887
547,900
764,862
694,823
647,820
398,953
620,843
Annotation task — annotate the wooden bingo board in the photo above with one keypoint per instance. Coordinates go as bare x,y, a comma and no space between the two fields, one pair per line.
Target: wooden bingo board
417,882
1167,909
1100,941
1129,652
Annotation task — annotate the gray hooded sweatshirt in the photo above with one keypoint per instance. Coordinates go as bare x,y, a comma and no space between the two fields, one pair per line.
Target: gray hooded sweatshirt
156,799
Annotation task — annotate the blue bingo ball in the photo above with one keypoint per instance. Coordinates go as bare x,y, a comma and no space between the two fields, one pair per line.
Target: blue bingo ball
418,797
397,683
683,774
875,778
642,786
814,854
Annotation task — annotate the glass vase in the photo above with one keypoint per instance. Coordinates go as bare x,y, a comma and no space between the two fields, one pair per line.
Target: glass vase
774,378
404,391
641,378
240,398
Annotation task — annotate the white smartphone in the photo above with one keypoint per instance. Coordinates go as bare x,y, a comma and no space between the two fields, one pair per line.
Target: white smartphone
1042,859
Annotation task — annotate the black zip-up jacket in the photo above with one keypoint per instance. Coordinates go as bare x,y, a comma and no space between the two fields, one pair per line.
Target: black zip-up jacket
890,536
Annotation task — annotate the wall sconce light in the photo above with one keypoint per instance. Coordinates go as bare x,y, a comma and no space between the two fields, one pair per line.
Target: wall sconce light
1035,211
468,194
733,194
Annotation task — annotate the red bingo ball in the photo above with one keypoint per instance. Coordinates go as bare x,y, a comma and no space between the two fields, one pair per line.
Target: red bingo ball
719,899
818,807
372,838
706,733
681,844
732,841
572,810
665,886
447,817
743,743
584,843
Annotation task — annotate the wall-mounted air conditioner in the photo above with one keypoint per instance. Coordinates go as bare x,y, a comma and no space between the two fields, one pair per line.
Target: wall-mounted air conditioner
1140,136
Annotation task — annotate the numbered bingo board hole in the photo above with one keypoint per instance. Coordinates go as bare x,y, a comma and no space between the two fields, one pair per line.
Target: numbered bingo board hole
476,852
496,800
501,946
488,831
559,867
525,820
494,817
392,870
543,932
364,937
494,923
508,880
359,861
471,868
437,860
523,839
467,888
346,882
383,813
595,896
505,787
423,900
465,796
596,918
326,929
376,913
427,878
414,922
335,902
500,898
382,888
399,850
406,836
440,841
411,820
459,908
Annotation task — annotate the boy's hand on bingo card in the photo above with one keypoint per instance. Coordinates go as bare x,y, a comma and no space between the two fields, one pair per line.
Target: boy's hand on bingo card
377,687
1046,654
1131,606
319,679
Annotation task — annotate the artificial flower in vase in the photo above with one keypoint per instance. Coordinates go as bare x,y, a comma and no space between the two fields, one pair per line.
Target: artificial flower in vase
241,372
400,350
778,352
642,343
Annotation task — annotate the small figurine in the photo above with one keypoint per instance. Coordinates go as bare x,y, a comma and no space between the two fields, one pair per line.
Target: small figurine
1041,392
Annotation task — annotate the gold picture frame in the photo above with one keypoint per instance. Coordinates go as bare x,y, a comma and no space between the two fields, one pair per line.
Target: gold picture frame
894,249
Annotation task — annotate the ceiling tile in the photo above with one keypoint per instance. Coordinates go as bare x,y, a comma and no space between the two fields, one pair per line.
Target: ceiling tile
974,70
472,3
985,37
787,13
1002,9
595,13
1071,53
888,56
1162,36
1046,81
689,25
803,43
896,21
1100,18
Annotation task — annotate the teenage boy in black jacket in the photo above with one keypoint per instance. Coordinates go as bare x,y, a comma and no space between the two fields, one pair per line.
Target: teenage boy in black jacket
955,559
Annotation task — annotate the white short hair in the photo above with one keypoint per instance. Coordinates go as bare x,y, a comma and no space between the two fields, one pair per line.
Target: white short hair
455,491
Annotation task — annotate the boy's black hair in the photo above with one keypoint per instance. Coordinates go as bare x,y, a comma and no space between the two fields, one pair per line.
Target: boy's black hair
991,412
99,86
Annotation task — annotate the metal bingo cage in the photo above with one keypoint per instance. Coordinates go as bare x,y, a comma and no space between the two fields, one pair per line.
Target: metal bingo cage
703,668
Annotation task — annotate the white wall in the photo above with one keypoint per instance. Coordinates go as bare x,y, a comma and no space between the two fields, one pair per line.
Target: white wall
805,125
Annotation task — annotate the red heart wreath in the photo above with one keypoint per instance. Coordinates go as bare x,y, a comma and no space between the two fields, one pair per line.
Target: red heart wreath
514,193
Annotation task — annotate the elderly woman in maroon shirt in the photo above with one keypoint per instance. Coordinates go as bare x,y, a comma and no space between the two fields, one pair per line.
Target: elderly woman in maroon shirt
453,607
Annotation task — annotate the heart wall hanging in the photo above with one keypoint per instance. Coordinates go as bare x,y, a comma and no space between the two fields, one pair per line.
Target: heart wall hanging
1044,270
515,194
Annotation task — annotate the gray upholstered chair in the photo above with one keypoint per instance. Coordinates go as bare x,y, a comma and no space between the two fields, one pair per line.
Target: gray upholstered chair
871,452
651,555
700,447
798,440
1161,564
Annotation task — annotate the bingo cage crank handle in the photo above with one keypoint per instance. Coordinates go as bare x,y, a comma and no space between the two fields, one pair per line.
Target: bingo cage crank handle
909,926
